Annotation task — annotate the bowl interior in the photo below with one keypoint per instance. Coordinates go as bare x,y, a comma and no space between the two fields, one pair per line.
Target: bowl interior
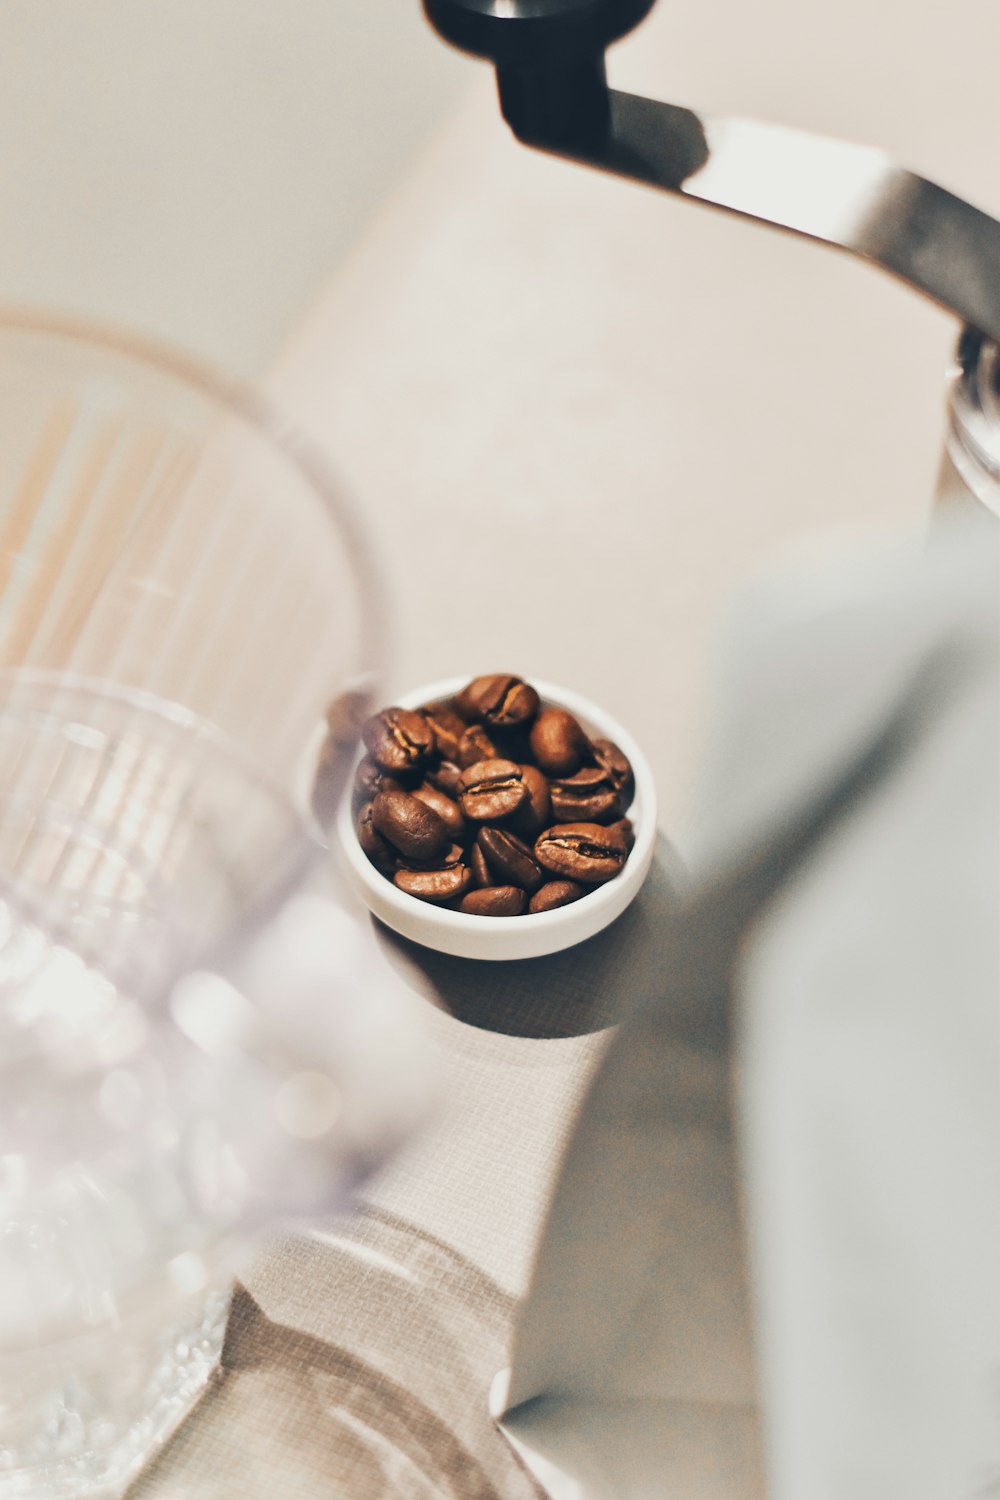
533,933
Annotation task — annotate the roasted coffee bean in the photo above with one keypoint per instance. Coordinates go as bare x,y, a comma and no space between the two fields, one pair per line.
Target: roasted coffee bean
558,743
369,780
446,727
588,796
476,745
381,854
618,767
536,813
398,739
491,790
486,802
481,872
624,827
555,893
438,886
445,776
581,851
409,825
500,700
509,858
512,744
494,901
446,808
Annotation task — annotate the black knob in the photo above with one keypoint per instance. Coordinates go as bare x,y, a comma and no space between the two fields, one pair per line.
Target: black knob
529,33
549,57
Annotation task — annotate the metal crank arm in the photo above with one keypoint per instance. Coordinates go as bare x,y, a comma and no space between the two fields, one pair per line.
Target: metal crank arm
549,57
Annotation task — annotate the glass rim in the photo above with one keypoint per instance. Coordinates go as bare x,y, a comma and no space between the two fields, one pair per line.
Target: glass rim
252,404
267,419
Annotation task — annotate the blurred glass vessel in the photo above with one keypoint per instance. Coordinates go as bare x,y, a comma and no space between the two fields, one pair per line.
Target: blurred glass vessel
182,592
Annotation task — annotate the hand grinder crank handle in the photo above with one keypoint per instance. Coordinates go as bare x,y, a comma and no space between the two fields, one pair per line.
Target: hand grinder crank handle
549,57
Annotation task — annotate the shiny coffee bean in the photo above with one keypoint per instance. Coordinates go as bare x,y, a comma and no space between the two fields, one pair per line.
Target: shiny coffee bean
555,893
581,851
486,802
410,826
491,790
588,796
558,743
500,700
509,858
445,776
494,901
618,766
381,854
454,854
369,780
446,727
440,885
481,872
476,745
536,813
624,827
398,739
446,808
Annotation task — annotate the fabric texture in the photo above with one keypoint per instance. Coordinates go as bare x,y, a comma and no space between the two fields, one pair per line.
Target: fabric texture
361,1352
837,966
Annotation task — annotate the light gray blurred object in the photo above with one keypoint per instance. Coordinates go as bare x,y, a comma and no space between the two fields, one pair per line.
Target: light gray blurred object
846,898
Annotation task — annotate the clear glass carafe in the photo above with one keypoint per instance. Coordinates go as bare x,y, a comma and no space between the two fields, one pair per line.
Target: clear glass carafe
183,594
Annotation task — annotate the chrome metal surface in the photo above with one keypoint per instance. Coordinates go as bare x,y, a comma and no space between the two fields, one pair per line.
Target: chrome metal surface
549,57
854,198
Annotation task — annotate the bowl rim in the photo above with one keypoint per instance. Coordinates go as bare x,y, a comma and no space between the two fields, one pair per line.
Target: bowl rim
599,901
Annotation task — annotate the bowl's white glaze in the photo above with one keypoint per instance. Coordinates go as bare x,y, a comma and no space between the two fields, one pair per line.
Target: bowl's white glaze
530,936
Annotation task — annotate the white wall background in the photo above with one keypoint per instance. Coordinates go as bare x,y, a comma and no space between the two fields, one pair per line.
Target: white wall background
198,168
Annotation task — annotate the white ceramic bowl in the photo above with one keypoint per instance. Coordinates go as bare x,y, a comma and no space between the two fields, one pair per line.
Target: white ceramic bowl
534,934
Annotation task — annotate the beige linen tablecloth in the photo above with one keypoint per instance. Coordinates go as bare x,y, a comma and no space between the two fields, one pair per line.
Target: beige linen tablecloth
846,898
579,413
361,1352
576,414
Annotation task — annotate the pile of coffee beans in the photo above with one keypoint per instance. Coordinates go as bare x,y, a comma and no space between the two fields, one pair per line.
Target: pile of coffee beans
490,803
